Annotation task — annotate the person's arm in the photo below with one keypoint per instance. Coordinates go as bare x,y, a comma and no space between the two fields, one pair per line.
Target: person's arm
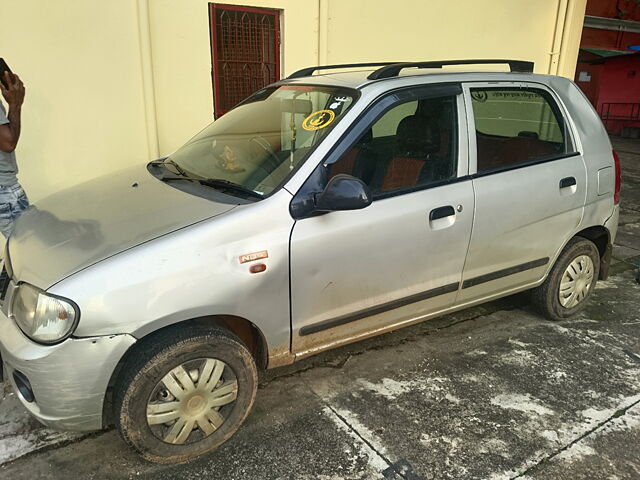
14,95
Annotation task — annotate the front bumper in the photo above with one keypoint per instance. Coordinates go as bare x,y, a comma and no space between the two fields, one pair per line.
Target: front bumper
69,380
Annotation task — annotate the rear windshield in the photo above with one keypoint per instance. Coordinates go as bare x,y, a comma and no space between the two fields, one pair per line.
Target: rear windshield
259,143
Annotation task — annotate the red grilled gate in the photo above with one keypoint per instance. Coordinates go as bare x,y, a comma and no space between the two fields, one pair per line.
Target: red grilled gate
245,45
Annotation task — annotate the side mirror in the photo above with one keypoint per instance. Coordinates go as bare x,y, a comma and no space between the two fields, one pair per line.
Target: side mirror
343,192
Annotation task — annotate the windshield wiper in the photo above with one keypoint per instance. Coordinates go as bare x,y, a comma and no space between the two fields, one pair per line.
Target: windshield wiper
180,175
178,168
218,183
226,184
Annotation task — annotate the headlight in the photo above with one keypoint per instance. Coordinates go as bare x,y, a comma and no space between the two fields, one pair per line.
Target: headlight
42,317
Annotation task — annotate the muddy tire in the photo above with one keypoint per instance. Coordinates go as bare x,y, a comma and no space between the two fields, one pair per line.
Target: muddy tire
184,394
571,281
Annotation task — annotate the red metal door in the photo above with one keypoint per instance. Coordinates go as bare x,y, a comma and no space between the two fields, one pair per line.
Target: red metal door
245,48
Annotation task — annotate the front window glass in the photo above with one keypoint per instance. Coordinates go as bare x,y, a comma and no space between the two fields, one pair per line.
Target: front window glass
411,146
257,144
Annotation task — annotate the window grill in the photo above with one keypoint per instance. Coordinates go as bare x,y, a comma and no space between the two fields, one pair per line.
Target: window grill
245,46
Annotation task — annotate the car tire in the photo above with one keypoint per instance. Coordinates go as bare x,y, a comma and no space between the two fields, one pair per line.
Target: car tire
176,398
575,272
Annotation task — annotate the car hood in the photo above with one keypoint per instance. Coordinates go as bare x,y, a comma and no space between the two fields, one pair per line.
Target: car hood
77,227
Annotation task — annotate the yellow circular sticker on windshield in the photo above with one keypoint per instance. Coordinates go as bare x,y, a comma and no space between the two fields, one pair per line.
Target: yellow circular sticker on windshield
318,120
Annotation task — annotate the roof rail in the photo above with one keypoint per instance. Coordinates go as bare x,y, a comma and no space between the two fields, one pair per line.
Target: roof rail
394,69
305,72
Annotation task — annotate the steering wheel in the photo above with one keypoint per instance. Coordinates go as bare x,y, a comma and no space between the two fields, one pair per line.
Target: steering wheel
266,146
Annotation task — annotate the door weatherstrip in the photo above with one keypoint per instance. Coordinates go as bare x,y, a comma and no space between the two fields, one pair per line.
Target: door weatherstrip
368,312
472,282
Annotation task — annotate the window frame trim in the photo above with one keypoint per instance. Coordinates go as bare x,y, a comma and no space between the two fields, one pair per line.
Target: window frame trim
569,127
531,163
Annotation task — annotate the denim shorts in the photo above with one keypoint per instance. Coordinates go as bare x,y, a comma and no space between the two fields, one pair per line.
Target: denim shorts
13,201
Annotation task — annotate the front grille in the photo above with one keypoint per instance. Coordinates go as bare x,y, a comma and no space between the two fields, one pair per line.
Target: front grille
4,283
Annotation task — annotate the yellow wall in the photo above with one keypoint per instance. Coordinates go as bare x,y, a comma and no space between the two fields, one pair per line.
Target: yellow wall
181,46
84,112
114,82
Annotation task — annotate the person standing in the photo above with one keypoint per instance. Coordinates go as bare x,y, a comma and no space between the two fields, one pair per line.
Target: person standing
13,199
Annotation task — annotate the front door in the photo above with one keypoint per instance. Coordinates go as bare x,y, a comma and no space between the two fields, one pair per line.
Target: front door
357,273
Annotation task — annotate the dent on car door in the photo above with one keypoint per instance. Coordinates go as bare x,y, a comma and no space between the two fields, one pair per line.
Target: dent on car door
355,273
530,187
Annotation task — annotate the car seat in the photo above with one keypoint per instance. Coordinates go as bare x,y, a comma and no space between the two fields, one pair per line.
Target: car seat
416,140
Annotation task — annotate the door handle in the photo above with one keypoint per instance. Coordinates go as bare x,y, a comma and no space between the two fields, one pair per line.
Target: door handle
441,212
568,182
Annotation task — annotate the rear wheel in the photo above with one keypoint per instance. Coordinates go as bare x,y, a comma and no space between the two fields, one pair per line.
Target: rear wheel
185,395
570,282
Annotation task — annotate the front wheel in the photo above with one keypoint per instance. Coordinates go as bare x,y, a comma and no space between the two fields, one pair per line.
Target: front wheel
185,394
570,282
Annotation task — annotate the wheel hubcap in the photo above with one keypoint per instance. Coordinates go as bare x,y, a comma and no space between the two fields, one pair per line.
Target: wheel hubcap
189,403
576,281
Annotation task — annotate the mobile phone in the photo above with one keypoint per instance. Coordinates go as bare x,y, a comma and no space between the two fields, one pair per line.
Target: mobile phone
4,68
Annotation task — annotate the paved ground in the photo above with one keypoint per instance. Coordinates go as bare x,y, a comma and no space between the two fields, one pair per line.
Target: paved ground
494,392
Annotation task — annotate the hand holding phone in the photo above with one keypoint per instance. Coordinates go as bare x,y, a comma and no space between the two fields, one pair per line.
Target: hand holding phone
11,86
4,68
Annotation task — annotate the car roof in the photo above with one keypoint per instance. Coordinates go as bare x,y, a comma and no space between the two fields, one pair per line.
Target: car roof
358,79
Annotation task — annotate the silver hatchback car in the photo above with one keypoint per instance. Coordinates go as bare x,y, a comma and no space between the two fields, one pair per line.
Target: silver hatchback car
322,210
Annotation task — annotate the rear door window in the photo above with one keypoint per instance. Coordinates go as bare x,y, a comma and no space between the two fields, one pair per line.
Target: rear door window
516,126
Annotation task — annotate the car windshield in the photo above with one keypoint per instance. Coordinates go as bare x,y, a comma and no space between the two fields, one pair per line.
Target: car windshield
255,146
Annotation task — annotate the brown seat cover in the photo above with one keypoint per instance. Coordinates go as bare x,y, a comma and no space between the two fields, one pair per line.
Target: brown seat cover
497,152
416,139
346,163
402,172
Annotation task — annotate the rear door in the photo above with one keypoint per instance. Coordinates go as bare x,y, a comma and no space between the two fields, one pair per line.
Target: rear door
529,183
357,273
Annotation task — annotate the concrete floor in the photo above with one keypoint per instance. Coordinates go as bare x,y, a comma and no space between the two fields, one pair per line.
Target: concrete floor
493,392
